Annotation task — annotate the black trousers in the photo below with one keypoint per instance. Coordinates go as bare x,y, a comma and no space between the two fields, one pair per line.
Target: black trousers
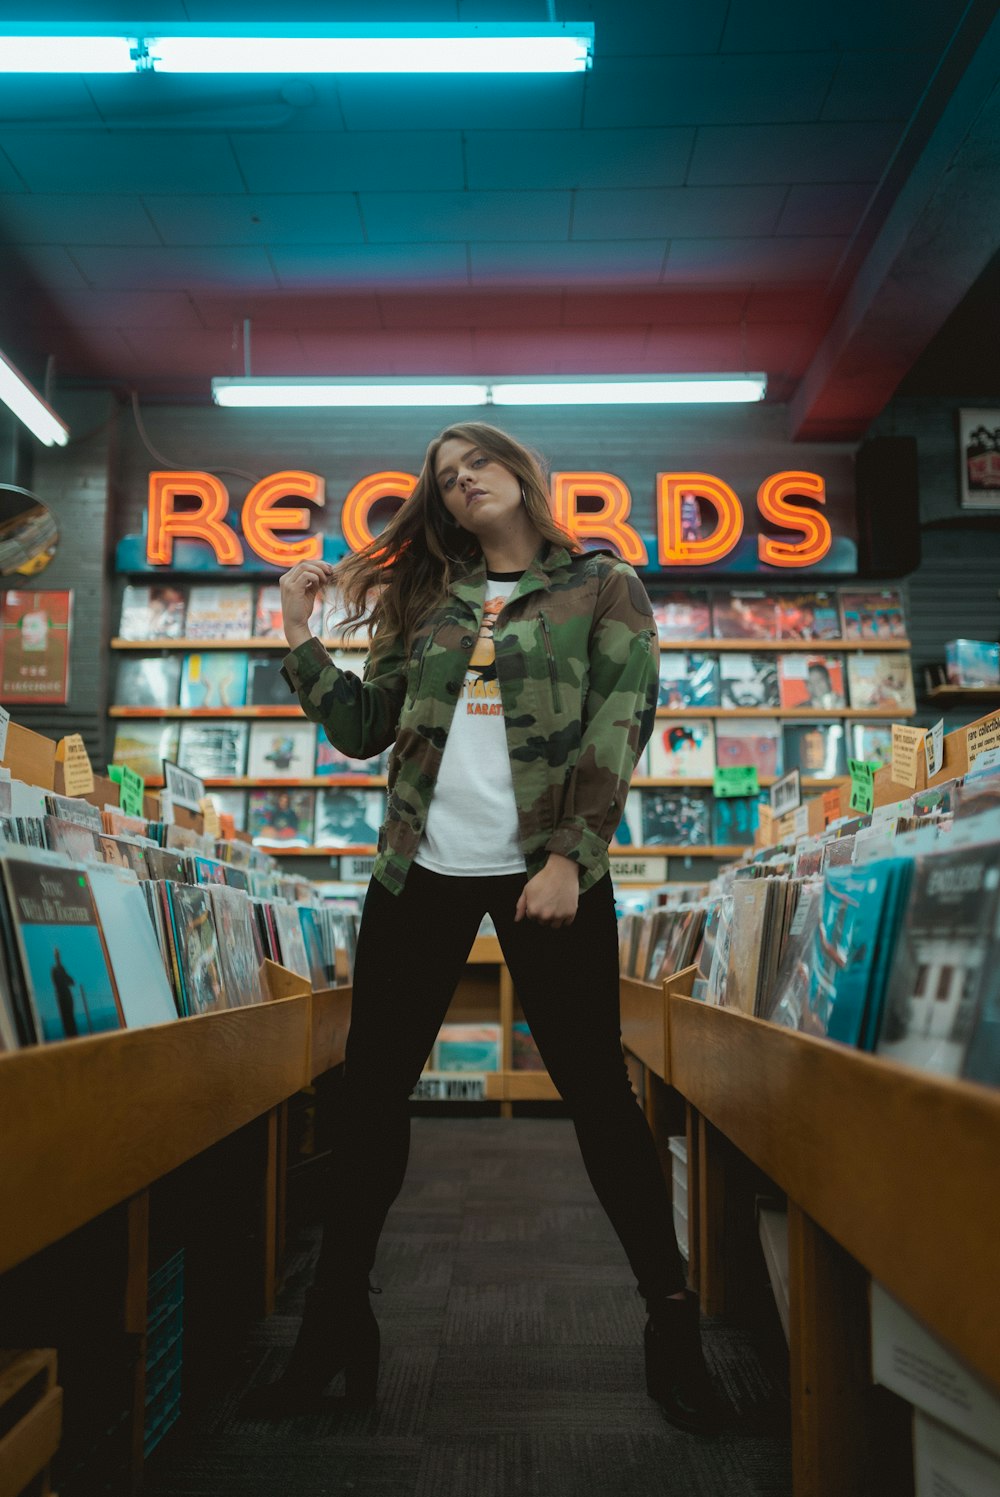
412,949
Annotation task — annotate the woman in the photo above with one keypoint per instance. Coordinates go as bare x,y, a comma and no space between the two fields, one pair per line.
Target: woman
516,678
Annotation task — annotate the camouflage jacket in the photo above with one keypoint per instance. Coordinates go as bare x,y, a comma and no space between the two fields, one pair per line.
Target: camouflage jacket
576,660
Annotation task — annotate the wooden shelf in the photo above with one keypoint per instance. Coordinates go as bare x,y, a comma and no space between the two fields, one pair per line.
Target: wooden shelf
895,1164
314,782
157,646
780,646
218,712
520,1086
964,694
649,782
802,714
86,1123
278,851
644,1024
733,851
330,1019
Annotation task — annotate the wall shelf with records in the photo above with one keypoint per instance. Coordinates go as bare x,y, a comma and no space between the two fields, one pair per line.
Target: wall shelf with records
251,643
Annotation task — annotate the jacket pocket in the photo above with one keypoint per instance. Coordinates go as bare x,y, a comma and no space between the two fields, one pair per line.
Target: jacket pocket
551,659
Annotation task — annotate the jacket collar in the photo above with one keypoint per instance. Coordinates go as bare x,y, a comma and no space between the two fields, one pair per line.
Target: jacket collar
470,584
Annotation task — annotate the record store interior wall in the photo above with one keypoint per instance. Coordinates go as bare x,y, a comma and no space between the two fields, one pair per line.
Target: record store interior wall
97,487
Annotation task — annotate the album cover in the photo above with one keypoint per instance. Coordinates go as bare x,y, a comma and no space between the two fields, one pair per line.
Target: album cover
266,686
811,681
734,821
72,839
750,741
688,680
816,750
224,612
881,681
872,742
281,750
282,818
215,678
148,681
267,623
61,955
684,614
673,818
628,832
525,1054
467,1047
152,613
231,803
291,942
322,973
237,947
132,949
813,615
749,681
213,751
197,948
330,760
873,614
348,817
682,750
745,614
144,746
34,646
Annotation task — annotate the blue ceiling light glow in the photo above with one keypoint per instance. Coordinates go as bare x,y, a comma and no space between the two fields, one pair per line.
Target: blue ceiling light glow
357,48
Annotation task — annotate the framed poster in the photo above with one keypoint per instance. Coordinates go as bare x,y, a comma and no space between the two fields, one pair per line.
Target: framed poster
979,458
34,646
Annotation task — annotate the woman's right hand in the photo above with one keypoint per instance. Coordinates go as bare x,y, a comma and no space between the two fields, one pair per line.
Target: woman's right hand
299,589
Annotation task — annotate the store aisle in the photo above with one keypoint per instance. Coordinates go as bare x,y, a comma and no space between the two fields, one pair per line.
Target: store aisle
512,1356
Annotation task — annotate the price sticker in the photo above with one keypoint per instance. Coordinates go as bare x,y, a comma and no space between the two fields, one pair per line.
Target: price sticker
862,786
737,780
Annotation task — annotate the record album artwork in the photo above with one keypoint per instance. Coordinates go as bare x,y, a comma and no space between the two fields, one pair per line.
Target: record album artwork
153,613
881,681
688,680
213,751
745,614
214,678
682,614
224,612
749,681
675,818
282,818
281,750
756,741
815,682
144,746
148,681
816,750
347,817
682,750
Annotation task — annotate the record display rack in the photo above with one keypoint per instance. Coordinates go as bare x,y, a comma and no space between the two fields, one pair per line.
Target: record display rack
692,646
813,714
889,1172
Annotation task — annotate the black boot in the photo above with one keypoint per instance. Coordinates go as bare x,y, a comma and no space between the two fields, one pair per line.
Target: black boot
676,1375
339,1333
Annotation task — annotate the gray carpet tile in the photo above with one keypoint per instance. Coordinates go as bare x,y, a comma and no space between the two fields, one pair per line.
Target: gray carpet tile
512,1355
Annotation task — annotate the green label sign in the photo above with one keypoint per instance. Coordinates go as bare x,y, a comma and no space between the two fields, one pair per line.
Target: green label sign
862,786
739,780
132,788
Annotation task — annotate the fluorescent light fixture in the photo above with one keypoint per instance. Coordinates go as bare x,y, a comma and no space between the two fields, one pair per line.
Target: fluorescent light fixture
326,392
177,47
656,390
21,397
641,390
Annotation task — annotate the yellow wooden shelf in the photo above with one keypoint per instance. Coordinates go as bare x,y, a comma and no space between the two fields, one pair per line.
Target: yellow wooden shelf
216,712
964,693
312,782
330,1019
802,714
780,646
157,646
898,1166
520,1086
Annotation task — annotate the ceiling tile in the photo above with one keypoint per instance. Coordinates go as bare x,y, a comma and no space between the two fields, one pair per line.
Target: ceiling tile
393,265
155,162
522,350
689,350
183,352
831,209
787,304
784,347
90,310
9,179
187,103
673,212
653,90
818,152
321,10
389,353
39,100
71,218
670,26
770,259
320,218
281,309
676,307
44,268
373,160
469,308
171,268
394,218
877,86
577,158
489,102
789,26
610,262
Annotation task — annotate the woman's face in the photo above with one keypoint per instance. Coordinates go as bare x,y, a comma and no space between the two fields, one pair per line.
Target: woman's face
477,490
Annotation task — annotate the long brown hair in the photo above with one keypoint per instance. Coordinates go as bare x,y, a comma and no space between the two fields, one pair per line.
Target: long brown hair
405,572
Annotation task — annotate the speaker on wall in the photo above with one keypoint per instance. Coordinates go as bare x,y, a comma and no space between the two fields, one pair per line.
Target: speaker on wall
885,473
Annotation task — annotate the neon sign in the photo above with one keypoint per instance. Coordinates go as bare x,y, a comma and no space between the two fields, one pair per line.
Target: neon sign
699,519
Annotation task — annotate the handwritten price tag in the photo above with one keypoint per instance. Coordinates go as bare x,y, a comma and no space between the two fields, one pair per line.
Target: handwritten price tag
78,775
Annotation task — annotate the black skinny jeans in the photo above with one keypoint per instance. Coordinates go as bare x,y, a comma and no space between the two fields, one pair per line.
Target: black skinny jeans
412,949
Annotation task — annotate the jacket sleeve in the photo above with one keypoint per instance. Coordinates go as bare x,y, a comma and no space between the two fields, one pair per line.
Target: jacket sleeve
619,713
359,715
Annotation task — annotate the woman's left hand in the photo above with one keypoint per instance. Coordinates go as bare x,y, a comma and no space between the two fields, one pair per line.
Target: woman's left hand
551,897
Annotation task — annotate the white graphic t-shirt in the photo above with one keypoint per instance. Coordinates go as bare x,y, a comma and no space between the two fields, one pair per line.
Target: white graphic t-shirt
472,818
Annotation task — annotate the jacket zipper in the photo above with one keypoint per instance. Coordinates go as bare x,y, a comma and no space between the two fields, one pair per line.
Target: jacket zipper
550,656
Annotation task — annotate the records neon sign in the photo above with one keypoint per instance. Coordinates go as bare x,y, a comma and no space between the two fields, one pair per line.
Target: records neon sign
699,519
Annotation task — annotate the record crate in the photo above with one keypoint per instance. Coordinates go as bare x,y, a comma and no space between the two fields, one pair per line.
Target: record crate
30,1420
164,1339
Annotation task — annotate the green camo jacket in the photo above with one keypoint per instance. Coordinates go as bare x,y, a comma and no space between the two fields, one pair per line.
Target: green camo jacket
576,660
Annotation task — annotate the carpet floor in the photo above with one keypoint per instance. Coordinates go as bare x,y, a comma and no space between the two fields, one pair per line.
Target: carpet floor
511,1355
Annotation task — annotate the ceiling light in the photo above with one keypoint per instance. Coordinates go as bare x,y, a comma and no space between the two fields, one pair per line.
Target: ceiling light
178,47
21,397
640,390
